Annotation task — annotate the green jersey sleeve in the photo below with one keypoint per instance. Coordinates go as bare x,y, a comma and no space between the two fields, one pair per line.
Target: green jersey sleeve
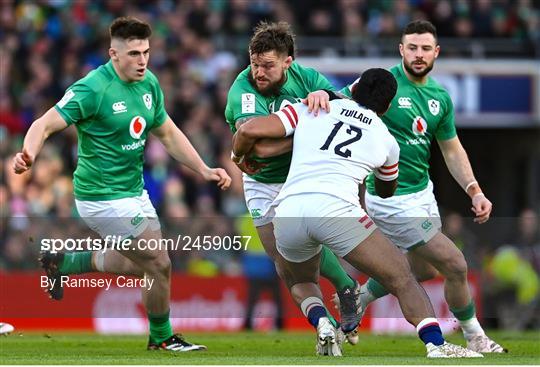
78,103
318,81
243,101
447,127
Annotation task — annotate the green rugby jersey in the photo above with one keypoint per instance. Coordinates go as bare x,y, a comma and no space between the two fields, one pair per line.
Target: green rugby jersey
243,101
113,119
417,115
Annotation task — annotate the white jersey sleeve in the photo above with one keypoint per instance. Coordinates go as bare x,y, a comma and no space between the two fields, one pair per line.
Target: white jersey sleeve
289,117
389,170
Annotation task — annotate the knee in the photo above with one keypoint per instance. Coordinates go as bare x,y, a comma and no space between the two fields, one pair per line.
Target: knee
161,265
456,268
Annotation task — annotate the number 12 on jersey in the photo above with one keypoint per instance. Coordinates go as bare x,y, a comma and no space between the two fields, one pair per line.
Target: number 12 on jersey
339,149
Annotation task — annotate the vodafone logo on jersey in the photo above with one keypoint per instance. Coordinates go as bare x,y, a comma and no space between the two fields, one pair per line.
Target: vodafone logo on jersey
419,126
137,126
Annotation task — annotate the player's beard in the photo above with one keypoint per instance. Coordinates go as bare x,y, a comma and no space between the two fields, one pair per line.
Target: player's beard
273,89
417,74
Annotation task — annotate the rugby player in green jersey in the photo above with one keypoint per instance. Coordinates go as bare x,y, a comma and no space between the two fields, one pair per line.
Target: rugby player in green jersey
114,108
273,72
420,112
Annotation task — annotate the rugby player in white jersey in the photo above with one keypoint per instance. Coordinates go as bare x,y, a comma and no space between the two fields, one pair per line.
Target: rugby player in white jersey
332,155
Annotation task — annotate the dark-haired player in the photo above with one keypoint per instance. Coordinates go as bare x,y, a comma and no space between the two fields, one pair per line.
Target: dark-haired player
114,108
420,112
332,155
273,72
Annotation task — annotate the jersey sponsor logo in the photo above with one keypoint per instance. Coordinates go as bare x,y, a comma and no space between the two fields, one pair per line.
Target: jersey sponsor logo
248,103
135,145
419,126
434,106
147,98
119,107
136,127
66,98
404,102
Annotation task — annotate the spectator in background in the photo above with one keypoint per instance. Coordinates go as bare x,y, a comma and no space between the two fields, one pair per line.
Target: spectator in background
527,238
513,287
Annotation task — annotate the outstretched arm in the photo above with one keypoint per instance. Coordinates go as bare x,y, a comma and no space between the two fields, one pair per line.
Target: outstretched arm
39,131
459,166
179,147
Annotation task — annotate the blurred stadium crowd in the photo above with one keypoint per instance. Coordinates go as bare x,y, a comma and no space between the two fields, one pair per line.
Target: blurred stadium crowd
197,49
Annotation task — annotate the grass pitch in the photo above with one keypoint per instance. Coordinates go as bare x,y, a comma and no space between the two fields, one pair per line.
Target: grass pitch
249,348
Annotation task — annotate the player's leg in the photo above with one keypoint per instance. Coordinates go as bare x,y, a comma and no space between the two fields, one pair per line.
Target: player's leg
421,269
442,253
334,271
115,263
259,198
303,277
300,259
104,261
379,258
411,222
156,266
408,221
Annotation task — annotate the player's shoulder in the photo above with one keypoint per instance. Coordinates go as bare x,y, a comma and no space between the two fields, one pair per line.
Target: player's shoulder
301,69
437,88
95,81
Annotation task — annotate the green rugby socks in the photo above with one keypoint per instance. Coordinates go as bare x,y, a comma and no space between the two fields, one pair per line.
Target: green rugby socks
332,270
160,327
76,263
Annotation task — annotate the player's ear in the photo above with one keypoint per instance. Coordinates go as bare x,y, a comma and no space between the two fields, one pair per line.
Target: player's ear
437,50
113,54
401,49
288,61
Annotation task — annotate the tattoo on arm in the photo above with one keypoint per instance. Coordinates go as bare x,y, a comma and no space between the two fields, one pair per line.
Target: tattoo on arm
241,121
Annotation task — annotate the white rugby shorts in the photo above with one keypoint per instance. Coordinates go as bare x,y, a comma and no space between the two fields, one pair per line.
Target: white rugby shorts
126,217
304,221
259,197
407,220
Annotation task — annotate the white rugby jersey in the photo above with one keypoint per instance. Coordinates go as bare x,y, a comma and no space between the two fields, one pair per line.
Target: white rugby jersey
334,152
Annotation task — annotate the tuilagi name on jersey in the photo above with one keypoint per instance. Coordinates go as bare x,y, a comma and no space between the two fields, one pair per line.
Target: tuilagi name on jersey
357,115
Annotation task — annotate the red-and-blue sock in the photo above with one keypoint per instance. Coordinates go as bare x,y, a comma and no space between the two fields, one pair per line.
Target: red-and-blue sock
313,308
430,331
